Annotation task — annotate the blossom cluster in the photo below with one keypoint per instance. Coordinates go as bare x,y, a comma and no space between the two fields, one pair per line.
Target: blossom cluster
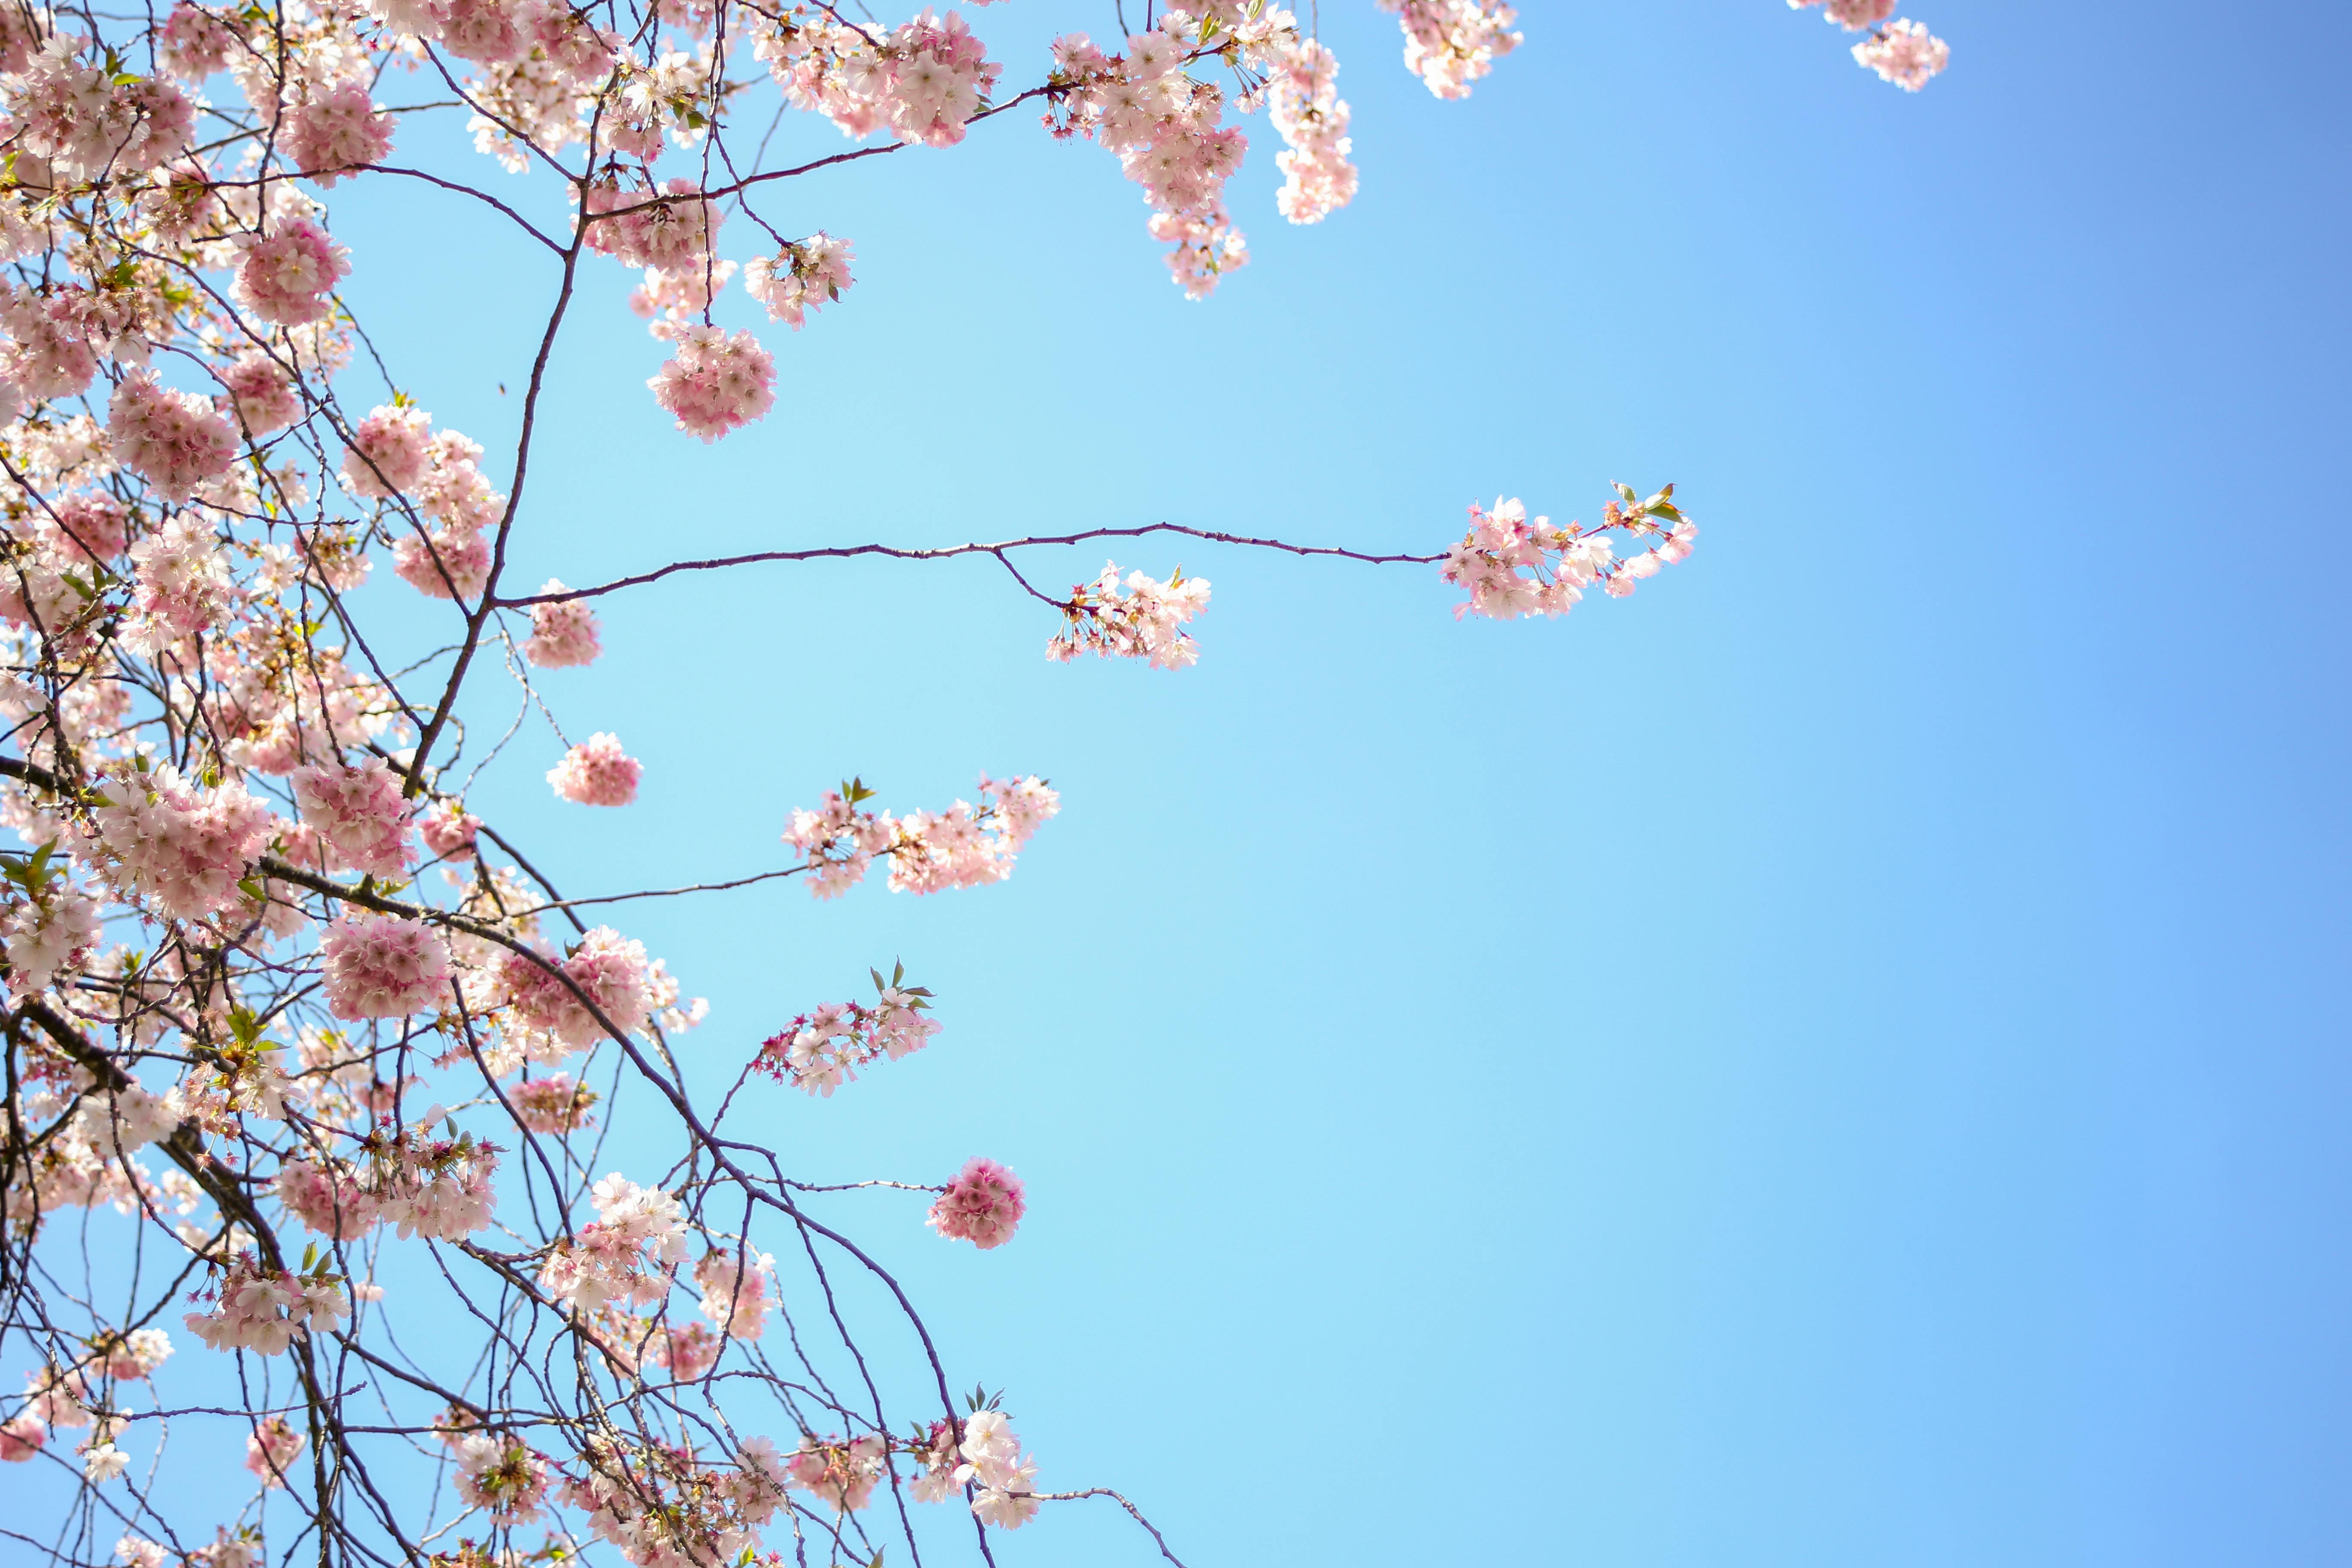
818,1052
958,847
266,1309
1901,52
982,1205
1449,44
626,1256
1516,566
1139,619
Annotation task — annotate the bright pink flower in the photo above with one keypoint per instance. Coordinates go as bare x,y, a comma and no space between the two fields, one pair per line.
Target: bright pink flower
381,966
597,772
982,1206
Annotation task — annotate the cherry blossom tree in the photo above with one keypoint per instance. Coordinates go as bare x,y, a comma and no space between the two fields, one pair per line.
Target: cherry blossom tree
291,1032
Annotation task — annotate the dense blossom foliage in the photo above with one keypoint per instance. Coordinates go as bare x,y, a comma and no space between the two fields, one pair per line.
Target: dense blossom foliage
309,1068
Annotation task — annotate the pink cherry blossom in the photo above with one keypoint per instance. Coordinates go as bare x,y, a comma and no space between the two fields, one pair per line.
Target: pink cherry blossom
563,633
982,1206
608,968
1449,44
800,278
1905,54
383,966
270,1451
1140,620
360,815
597,772
389,452
328,134
287,274
553,1105
21,1438
716,382
174,439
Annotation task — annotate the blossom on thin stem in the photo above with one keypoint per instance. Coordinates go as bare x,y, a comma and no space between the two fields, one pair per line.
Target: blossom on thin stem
1141,619
818,1052
1513,566
959,847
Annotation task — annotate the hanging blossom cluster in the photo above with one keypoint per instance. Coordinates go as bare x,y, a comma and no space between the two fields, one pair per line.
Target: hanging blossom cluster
1449,44
818,1052
1140,618
1901,52
1166,125
1513,565
930,851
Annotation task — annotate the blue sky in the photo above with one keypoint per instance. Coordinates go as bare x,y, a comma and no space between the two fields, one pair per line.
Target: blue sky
1836,1060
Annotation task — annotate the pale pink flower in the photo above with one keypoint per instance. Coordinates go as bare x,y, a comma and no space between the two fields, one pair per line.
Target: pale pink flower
389,452
327,135
449,562
715,381
553,1105
270,1451
174,439
360,815
800,278
563,633
735,1291
448,831
327,1196
261,394
91,525
183,847
502,1476
1854,16
597,772
287,274
1905,54
383,966
1450,44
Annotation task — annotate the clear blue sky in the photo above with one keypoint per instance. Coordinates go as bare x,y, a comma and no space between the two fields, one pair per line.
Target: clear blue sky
1836,1061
